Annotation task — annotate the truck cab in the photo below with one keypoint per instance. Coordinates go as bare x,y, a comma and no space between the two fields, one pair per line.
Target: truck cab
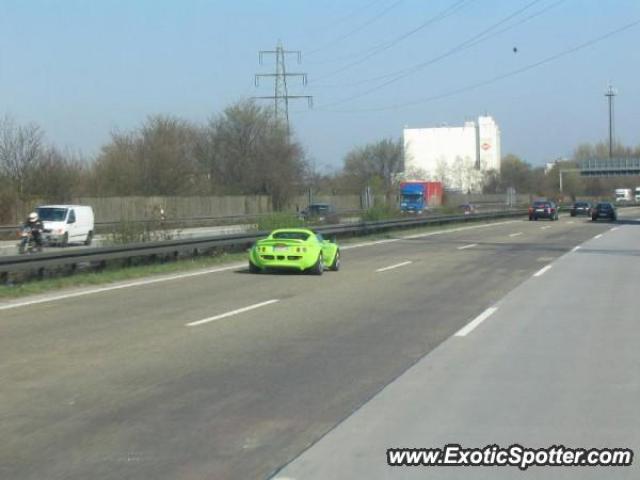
412,198
417,196
623,195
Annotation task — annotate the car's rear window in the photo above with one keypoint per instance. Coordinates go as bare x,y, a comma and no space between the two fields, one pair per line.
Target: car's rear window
318,208
291,235
604,206
582,204
540,204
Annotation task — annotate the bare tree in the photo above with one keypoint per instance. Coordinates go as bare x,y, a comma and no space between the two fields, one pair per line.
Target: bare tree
20,149
157,159
246,150
375,163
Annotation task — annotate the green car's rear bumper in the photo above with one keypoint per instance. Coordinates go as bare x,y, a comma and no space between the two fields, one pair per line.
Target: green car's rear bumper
288,261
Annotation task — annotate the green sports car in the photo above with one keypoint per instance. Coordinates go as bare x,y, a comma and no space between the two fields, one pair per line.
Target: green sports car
294,249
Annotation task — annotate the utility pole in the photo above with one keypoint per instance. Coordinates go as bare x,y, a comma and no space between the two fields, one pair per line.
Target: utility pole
281,95
610,94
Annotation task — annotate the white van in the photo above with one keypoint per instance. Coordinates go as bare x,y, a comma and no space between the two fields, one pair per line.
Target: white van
64,224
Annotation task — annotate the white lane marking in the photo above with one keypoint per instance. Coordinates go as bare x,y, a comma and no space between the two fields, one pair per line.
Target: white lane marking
597,236
391,267
576,248
471,245
542,271
137,283
544,228
459,229
426,234
368,244
613,229
570,222
515,234
231,313
469,327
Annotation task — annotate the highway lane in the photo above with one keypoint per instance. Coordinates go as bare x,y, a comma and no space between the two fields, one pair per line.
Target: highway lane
115,385
555,362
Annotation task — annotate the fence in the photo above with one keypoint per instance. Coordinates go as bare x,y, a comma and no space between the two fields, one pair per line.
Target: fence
115,209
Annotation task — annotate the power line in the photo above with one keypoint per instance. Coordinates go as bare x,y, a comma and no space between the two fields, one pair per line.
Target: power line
382,45
503,76
447,12
399,75
480,40
354,12
358,29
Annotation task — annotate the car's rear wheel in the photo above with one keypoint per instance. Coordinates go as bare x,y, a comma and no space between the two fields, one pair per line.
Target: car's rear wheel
318,267
253,268
335,266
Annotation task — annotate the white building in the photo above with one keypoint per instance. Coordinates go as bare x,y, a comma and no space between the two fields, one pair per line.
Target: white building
457,156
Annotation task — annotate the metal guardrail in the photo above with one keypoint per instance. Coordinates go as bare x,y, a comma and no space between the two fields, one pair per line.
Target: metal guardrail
173,248
186,222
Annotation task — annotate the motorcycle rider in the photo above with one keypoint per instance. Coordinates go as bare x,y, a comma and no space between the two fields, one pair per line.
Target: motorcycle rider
36,226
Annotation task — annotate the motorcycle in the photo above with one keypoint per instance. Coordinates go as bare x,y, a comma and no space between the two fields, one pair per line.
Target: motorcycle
28,243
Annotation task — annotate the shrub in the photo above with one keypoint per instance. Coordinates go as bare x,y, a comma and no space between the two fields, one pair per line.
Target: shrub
380,213
279,220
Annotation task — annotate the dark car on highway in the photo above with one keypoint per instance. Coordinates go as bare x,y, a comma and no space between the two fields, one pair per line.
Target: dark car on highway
468,209
543,209
581,208
604,210
320,213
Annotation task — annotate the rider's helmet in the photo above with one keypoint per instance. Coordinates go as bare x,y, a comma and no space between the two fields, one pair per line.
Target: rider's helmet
33,217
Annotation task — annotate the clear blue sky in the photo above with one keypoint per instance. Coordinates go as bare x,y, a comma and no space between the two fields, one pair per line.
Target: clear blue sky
83,68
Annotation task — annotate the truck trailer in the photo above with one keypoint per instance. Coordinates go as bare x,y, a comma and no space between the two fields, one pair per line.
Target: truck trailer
418,196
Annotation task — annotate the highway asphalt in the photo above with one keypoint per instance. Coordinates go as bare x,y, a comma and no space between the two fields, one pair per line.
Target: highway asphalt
116,384
554,363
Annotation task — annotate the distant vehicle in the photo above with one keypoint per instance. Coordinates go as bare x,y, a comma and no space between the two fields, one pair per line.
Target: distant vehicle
418,196
637,196
320,213
468,209
623,195
298,249
543,209
581,208
64,224
604,210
